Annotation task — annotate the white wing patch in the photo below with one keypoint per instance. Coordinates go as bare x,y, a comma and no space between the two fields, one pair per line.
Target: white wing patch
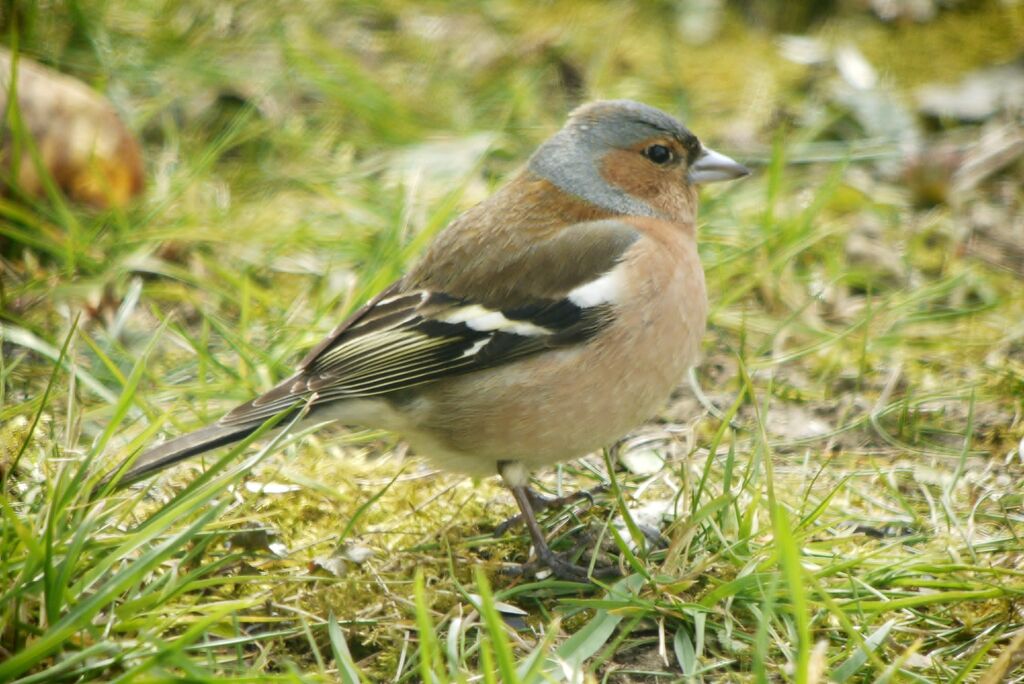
477,346
607,289
482,319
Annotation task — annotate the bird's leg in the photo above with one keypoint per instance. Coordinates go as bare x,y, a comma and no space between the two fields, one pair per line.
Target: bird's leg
540,502
516,477
561,568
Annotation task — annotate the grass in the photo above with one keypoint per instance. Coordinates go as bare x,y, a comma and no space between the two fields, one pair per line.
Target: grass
846,504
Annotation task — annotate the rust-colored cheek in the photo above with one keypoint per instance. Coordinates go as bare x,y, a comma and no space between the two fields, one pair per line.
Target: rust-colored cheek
662,189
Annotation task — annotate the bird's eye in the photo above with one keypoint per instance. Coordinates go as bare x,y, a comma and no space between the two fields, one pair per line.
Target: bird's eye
659,154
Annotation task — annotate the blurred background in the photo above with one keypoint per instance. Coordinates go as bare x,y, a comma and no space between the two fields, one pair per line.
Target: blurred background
196,192
259,125
258,122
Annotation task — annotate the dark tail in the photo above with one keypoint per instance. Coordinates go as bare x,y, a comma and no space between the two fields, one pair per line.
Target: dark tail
178,449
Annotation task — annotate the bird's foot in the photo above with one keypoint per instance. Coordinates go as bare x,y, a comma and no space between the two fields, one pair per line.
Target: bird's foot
545,557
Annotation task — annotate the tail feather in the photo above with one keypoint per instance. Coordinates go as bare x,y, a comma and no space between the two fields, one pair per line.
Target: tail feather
178,449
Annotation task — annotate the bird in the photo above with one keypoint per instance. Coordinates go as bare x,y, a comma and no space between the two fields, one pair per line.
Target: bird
540,325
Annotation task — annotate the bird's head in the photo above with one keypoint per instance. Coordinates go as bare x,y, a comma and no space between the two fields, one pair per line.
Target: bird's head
631,159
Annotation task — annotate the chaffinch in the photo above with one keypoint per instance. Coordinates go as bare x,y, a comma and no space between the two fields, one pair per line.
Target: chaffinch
542,324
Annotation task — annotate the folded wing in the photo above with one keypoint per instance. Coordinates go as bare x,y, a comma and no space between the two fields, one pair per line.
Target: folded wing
409,337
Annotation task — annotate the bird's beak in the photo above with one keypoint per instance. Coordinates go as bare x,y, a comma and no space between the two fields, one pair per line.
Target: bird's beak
712,167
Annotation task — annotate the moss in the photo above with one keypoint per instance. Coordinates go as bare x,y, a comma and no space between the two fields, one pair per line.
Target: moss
943,50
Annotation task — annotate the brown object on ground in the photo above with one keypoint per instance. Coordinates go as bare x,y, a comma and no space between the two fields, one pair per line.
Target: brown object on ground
82,143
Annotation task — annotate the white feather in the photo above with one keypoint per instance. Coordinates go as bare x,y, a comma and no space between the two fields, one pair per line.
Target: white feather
485,320
477,346
606,289
515,474
423,294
